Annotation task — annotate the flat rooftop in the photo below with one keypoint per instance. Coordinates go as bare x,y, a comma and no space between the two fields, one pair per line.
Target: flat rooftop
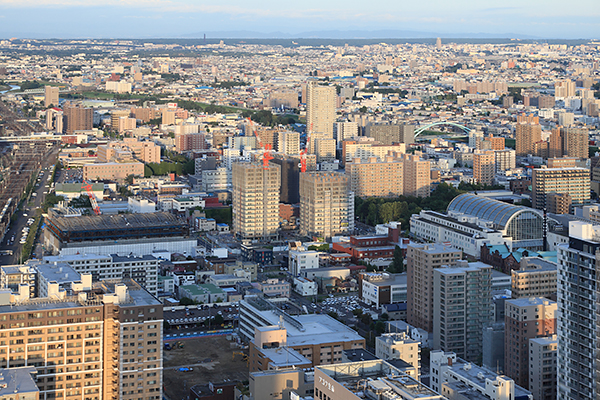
435,248
18,381
87,223
478,375
365,379
59,272
307,329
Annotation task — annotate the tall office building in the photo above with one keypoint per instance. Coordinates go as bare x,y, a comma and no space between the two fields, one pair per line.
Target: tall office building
526,136
578,308
373,178
320,112
572,181
422,259
76,118
326,204
51,96
461,308
255,192
484,166
100,341
417,176
524,319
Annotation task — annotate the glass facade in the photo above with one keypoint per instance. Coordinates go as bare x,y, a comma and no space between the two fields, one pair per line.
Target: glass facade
521,223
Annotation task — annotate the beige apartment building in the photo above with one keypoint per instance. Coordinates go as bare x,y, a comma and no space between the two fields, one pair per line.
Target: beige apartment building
399,346
255,192
373,178
417,176
102,342
572,181
148,152
288,143
365,149
569,142
484,166
422,259
115,117
114,171
51,96
326,204
320,112
535,278
526,136
525,319
77,118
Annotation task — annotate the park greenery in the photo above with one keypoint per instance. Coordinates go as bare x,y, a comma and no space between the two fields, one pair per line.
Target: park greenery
377,210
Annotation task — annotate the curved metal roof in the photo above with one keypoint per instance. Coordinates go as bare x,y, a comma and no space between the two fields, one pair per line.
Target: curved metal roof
487,209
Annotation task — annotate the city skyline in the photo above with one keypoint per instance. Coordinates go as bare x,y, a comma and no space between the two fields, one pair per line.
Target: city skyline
271,19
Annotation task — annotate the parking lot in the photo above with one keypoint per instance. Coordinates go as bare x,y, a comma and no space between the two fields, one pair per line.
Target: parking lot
344,305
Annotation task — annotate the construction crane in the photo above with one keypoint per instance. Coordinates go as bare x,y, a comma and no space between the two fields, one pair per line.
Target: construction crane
266,148
88,188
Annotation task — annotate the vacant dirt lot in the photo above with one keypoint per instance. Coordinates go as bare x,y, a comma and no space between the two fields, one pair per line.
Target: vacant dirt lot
211,359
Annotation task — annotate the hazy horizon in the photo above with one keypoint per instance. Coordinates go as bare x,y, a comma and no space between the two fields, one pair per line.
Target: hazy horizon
272,19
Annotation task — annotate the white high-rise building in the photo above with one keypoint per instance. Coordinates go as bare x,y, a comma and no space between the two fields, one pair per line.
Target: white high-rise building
578,342
289,142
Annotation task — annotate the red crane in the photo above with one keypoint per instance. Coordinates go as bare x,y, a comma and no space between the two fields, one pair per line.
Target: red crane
303,152
266,148
88,188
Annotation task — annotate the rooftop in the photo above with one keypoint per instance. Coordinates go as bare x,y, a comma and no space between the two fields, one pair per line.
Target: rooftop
487,209
18,381
530,301
59,272
199,290
306,329
434,248
87,223
377,379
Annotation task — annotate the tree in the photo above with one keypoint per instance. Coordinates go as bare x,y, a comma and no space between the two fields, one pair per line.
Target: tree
218,320
186,301
397,265
379,327
129,179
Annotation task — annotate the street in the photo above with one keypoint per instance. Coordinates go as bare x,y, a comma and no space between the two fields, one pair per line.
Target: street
28,211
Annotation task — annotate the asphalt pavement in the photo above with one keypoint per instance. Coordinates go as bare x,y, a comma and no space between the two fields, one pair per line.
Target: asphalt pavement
16,228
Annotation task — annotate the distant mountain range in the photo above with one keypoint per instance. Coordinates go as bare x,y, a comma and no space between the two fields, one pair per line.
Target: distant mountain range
352,34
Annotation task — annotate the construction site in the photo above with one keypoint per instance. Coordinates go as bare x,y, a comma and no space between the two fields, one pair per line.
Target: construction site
198,361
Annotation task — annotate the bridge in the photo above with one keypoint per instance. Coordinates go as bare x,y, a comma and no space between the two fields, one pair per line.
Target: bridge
426,127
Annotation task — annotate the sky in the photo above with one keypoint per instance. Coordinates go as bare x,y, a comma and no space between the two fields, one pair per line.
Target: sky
550,19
